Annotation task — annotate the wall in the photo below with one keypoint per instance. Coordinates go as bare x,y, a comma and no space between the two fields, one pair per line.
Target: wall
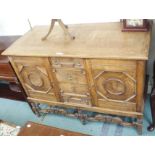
19,26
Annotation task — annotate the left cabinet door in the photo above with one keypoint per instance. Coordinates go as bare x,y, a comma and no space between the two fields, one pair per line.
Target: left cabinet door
34,76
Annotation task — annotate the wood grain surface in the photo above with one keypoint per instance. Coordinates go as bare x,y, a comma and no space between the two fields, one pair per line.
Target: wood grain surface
103,40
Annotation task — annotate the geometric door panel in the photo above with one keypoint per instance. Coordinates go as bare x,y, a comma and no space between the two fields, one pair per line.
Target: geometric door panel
35,79
117,86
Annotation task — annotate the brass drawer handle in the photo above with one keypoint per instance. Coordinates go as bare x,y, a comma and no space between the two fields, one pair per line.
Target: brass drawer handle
60,64
88,94
78,65
64,64
83,72
61,92
67,64
54,70
70,77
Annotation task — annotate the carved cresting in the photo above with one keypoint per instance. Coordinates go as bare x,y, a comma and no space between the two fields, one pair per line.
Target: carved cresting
119,86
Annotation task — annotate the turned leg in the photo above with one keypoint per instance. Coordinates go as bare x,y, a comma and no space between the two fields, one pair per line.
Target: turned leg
84,122
139,126
82,117
140,129
152,105
35,109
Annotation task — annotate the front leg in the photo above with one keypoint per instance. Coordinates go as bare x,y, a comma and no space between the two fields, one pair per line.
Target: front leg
139,126
82,117
35,108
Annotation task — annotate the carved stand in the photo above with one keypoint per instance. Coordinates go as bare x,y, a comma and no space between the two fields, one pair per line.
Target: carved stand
84,117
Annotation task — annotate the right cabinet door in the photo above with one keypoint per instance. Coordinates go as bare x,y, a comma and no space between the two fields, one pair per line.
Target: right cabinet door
115,82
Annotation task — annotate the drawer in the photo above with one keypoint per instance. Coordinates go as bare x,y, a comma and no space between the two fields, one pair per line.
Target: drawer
71,75
67,63
76,99
73,88
75,93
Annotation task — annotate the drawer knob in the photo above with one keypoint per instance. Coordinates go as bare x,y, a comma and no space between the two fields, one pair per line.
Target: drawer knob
78,65
61,91
54,70
70,77
88,94
83,72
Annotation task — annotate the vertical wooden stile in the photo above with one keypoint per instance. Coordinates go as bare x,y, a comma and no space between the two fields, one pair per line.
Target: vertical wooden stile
91,84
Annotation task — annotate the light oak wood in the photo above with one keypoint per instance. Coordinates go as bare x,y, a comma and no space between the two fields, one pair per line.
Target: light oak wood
104,40
73,63
91,83
71,76
73,88
55,82
115,85
34,76
102,70
124,106
140,85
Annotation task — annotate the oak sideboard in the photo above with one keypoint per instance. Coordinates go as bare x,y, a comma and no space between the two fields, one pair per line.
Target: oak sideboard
101,70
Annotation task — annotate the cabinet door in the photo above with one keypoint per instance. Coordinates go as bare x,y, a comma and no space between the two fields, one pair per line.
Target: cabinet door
115,82
34,77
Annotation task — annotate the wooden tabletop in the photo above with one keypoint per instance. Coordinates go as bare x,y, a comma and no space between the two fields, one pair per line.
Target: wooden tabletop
35,129
102,40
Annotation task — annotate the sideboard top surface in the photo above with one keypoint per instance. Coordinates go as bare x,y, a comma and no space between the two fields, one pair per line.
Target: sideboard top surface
102,40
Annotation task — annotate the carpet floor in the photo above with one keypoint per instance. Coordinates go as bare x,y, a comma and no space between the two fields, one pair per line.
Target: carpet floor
19,113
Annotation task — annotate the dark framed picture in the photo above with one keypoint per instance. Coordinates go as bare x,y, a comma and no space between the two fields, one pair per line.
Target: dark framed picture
135,25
